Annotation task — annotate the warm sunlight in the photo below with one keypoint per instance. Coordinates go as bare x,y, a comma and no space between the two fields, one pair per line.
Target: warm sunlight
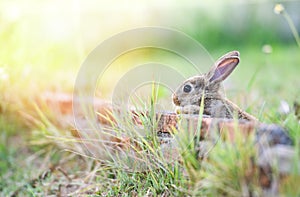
149,98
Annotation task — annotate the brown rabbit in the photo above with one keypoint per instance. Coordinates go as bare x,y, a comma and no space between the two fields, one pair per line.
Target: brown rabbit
188,95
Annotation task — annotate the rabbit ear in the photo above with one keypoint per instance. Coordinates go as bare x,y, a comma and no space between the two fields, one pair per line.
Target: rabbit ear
223,67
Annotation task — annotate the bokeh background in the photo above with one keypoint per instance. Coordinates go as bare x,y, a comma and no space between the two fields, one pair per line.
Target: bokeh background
47,41
44,43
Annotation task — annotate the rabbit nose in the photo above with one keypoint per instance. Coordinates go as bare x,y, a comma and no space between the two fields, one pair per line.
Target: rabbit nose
175,100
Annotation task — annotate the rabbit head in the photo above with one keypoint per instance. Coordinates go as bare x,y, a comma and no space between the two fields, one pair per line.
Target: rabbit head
190,91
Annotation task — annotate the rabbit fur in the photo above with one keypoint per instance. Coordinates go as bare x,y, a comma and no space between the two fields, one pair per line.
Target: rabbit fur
188,95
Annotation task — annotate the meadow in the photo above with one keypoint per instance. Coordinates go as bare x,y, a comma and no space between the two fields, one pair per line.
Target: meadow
43,48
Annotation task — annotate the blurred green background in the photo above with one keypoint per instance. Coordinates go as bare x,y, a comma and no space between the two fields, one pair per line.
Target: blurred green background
52,38
43,44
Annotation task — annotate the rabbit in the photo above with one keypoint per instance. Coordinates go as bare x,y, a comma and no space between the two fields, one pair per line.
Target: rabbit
187,97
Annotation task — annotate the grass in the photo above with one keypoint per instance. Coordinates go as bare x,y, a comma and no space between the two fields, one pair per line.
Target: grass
230,170
226,172
39,156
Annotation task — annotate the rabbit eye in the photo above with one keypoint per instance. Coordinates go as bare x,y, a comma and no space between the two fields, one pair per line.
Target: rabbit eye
187,88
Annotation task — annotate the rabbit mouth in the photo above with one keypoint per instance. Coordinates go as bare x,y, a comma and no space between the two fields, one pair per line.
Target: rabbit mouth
176,101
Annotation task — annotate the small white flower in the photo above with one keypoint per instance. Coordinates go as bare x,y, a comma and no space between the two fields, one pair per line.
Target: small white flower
278,9
267,49
284,107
